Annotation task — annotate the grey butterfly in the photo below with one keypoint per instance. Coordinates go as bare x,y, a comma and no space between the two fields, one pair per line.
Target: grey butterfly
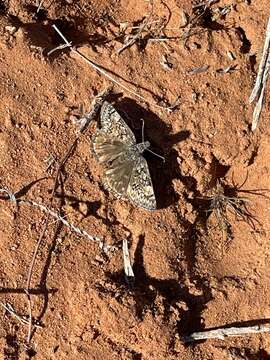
127,174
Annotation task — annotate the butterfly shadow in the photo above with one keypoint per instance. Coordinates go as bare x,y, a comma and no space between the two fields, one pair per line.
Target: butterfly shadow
92,209
158,133
147,291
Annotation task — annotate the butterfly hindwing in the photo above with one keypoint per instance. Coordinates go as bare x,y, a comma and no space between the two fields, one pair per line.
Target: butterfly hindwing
117,177
140,190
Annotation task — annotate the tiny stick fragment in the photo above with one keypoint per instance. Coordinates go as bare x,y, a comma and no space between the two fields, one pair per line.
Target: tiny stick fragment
39,5
129,274
258,83
199,70
20,318
263,72
95,107
222,333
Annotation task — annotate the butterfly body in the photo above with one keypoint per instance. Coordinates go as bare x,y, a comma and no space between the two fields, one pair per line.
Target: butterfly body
127,174
133,151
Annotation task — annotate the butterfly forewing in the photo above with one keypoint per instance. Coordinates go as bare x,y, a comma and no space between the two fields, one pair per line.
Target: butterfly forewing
112,123
106,147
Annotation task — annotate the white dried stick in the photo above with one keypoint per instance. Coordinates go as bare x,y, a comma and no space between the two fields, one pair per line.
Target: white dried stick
223,333
102,245
263,72
99,68
129,274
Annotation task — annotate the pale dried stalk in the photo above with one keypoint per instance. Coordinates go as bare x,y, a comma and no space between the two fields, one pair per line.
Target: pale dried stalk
39,5
135,37
84,123
99,68
20,318
263,72
102,245
141,28
223,333
129,274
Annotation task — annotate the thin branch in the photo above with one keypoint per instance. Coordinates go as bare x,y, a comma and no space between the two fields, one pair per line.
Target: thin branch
39,5
20,318
223,333
49,212
129,274
62,35
102,245
263,72
100,69
60,47
135,37
258,84
95,107
32,264
105,73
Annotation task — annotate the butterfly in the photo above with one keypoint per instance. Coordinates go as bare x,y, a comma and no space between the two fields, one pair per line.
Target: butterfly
126,170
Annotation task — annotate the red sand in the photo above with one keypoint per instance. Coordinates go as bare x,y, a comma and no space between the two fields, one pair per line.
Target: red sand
188,277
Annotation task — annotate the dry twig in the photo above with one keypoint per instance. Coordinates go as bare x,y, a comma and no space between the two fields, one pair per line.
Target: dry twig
129,274
132,39
202,15
102,245
95,107
99,68
199,70
42,234
9,308
229,69
223,333
262,76
40,5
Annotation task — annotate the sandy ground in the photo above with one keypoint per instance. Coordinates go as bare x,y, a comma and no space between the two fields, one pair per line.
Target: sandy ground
190,274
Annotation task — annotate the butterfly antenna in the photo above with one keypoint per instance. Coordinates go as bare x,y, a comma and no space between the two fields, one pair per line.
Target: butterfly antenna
142,120
152,152
161,157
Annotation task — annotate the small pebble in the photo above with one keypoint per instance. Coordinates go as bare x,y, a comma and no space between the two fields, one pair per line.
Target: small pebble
14,247
231,55
11,29
99,259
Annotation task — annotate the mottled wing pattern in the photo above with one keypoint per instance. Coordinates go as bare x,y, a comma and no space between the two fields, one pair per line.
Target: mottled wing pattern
112,123
140,189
